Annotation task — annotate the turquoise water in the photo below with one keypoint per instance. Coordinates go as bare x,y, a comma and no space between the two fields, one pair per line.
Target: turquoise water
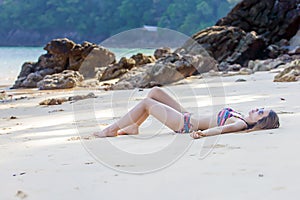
12,58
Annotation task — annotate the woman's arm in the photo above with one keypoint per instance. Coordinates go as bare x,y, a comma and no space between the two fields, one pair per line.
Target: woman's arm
228,128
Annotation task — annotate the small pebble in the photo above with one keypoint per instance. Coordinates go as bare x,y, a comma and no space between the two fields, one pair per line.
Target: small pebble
240,80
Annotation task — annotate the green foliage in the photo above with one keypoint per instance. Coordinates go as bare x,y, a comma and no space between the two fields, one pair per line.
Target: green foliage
103,18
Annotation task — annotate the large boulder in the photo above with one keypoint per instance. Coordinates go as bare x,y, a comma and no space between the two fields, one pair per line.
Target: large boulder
94,57
172,68
65,80
273,19
254,29
64,54
118,69
148,76
226,44
124,65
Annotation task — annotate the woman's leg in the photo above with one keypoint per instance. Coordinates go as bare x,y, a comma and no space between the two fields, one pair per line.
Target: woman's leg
164,113
159,95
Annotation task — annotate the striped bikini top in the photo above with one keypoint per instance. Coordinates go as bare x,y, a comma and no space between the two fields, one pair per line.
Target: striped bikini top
226,113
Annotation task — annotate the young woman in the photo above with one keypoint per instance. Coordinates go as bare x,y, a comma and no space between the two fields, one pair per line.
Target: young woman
164,108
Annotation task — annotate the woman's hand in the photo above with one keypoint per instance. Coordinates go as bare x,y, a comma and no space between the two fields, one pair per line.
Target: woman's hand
197,134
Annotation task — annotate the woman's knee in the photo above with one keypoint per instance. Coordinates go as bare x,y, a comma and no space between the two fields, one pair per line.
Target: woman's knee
154,92
147,103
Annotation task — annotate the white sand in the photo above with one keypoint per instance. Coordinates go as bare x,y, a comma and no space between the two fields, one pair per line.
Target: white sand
42,158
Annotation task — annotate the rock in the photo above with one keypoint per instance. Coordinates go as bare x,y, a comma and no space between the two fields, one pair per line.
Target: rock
124,65
295,44
245,71
272,19
64,54
82,97
226,44
273,51
96,58
147,76
141,59
165,71
291,73
265,65
53,101
118,69
170,68
66,79
253,30
234,67
133,78
240,80
162,52
27,68
62,46
58,101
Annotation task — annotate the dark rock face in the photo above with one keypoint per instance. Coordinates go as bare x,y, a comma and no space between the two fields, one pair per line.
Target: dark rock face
273,19
64,54
229,44
254,29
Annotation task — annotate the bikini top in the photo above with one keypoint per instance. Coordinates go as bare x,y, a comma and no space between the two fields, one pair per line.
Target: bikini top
226,113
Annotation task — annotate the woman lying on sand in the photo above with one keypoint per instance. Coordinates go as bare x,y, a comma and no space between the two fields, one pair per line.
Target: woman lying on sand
164,108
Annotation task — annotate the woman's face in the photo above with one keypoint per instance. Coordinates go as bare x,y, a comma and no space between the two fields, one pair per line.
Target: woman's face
256,114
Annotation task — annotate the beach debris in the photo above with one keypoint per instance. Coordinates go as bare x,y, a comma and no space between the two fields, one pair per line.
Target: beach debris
282,99
4,96
53,101
284,112
53,111
20,194
81,97
240,80
58,101
74,138
291,73
13,117
260,175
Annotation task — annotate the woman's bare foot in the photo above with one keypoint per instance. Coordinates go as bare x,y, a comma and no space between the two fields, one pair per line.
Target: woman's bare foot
129,130
107,132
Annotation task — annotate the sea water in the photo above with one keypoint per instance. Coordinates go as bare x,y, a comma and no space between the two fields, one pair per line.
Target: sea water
12,59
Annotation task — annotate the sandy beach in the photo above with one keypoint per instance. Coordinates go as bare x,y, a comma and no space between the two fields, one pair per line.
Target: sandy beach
46,152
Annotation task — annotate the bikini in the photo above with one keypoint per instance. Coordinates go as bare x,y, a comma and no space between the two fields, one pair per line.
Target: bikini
223,115
187,123
226,113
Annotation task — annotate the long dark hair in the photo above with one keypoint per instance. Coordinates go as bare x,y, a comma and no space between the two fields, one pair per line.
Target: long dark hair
269,122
